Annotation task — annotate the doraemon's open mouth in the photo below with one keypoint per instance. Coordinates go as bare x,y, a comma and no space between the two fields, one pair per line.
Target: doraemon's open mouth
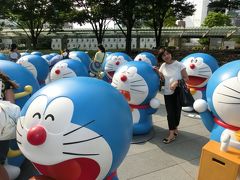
126,94
79,168
195,81
110,74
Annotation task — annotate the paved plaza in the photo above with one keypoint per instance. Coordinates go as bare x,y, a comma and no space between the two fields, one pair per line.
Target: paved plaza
154,160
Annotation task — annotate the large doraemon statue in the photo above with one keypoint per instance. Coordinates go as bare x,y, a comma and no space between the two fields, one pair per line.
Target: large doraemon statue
139,83
220,113
146,57
3,57
199,67
37,66
68,133
68,68
38,53
81,56
112,63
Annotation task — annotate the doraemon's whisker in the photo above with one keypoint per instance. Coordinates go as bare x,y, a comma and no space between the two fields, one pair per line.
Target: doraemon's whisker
69,153
204,71
67,73
228,102
137,85
136,90
231,89
79,128
203,68
19,133
139,80
114,83
204,75
229,96
19,142
76,142
110,65
21,123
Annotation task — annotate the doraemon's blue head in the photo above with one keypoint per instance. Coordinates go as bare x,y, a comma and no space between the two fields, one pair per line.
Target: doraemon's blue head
223,93
81,56
36,65
146,57
68,68
24,54
47,57
113,62
200,67
137,81
3,57
36,53
66,124
23,78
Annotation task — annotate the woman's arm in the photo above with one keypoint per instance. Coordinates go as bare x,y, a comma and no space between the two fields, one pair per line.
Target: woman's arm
184,74
9,95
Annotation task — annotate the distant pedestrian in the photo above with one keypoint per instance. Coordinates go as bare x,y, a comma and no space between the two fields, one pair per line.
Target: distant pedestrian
14,54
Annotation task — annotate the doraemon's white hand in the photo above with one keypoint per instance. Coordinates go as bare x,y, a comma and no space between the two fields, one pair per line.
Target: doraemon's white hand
200,105
225,139
154,103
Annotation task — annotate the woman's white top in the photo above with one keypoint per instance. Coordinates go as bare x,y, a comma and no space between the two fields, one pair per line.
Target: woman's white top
171,72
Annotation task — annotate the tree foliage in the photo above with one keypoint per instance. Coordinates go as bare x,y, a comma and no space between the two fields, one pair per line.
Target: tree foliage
222,5
32,15
216,19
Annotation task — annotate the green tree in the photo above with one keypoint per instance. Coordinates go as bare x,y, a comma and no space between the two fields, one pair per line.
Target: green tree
222,5
157,12
95,12
32,15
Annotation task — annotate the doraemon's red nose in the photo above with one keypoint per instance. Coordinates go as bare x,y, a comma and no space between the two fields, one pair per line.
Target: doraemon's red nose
57,71
192,66
36,135
123,78
117,63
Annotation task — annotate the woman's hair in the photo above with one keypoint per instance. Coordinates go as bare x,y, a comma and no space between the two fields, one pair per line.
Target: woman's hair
100,46
5,78
161,52
13,46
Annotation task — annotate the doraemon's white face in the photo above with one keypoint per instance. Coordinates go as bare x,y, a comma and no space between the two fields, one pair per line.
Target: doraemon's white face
46,136
61,70
29,66
198,71
143,57
226,100
113,64
131,85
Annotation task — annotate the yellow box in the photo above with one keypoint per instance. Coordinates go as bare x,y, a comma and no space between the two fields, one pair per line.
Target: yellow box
219,165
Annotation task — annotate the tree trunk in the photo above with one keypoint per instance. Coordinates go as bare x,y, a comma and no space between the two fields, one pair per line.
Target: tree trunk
129,40
34,42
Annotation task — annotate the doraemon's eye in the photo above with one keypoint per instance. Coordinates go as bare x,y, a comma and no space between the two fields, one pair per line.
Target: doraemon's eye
37,115
120,58
50,116
131,71
35,111
58,115
192,60
196,61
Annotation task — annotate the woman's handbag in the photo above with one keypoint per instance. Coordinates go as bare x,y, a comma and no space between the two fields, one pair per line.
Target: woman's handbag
185,96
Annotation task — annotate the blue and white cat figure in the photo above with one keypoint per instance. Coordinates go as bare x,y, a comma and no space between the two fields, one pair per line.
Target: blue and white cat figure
139,84
146,57
220,113
199,67
112,63
68,68
68,137
37,65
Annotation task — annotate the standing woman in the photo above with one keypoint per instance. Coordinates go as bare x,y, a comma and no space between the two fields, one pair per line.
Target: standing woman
100,55
7,94
14,54
171,71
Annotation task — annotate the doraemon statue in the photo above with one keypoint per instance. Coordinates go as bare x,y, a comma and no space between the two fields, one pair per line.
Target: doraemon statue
37,66
147,57
220,113
139,83
112,63
3,57
68,68
38,53
81,56
199,67
67,132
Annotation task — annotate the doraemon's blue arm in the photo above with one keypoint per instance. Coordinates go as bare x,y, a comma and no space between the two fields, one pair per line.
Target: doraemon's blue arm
154,104
201,107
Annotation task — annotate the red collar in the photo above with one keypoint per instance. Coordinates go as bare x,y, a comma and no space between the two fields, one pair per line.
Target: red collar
197,88
225,125
112,175
144,106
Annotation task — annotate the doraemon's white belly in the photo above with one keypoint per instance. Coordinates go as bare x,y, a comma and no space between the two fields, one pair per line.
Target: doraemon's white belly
136,116
197,95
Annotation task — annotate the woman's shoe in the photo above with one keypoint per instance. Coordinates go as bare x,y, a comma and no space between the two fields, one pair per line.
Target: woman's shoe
175,134
167,141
